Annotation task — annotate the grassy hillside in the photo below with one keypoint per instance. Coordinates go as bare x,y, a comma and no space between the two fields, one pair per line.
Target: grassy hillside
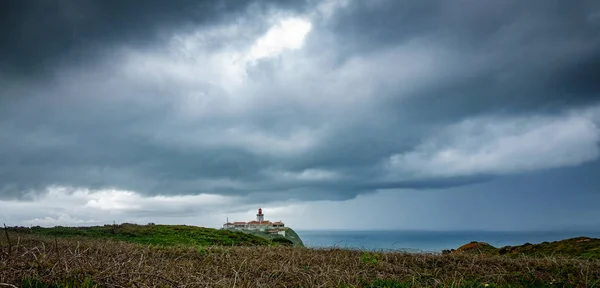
290,235
35,260
580,247
154,234
293,236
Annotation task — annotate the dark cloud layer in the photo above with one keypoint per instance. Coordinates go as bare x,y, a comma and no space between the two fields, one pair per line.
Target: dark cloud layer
382,95
39,35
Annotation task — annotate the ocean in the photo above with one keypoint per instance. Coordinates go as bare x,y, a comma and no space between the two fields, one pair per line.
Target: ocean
428,241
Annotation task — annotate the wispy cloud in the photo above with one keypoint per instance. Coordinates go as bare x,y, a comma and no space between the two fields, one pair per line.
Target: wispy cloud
503,145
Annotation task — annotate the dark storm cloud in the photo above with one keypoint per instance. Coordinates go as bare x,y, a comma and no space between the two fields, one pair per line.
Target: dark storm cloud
38,35
523,54
383,95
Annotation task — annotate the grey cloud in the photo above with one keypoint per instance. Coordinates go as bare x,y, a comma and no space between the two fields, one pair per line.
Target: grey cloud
39,35
500,146
513,55
167,117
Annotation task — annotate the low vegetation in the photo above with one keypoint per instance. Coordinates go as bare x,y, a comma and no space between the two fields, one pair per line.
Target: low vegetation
291,238
580,247
169,235
153,234
43,259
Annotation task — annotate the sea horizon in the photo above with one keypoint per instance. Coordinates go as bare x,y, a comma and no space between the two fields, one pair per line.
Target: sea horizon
430,240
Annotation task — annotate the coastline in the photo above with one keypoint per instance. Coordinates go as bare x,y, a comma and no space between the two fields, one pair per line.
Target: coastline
429,241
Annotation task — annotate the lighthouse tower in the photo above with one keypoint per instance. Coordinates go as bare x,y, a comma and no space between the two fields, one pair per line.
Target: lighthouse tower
260,217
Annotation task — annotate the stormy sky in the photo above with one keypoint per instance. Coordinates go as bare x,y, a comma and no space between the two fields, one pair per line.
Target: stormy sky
345,114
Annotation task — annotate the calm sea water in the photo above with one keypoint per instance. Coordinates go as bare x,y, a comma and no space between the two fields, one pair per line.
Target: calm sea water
428,240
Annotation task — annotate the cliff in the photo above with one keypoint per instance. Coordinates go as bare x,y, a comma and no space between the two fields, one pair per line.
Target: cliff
290,235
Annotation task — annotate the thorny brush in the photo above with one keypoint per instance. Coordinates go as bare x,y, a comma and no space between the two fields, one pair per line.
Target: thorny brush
107,263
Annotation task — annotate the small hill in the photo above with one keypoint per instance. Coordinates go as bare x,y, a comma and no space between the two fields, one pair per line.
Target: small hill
580,247
293,236
290,238
477,248
167,235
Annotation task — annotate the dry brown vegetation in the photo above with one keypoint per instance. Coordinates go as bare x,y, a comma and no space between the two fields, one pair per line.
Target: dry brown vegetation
579,247
30,260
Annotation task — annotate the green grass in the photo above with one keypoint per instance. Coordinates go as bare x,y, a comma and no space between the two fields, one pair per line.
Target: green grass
165,235
290,236
71,283
370,258
293,236
580,247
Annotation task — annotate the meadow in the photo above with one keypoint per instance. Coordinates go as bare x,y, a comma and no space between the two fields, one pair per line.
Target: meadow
44,260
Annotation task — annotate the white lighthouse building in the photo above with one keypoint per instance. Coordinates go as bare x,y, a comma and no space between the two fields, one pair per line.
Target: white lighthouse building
259,224
260,217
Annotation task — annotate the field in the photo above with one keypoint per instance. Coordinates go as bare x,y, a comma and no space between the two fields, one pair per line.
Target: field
166,235
34,260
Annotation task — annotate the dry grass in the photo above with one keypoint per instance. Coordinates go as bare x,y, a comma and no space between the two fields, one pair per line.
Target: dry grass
119,264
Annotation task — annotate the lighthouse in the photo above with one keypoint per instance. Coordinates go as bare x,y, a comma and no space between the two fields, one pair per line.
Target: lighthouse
260,217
